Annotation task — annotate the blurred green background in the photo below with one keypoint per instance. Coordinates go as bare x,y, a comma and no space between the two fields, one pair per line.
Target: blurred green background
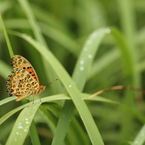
66,25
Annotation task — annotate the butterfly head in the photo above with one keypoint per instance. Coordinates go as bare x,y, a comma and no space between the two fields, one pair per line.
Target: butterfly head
42,88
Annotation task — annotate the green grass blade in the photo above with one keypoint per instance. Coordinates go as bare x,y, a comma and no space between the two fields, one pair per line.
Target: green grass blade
100,65
86,57
76,130
140,138
5,69
5,5
71,88
63,123
126,55
22,125
127,14
130,70
79,76
37,33
55,34
46,99
34,135
90,49
60,37
6,100
31,18
10,113
6,37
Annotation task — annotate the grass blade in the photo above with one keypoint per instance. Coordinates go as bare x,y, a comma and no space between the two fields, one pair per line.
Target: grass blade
140,138
34,135
71,88
6,100
22,125
6,37
79,76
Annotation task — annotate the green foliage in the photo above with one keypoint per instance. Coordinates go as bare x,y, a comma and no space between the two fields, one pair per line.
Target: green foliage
73,41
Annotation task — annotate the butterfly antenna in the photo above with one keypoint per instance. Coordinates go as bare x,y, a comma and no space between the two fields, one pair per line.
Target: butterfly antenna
51,82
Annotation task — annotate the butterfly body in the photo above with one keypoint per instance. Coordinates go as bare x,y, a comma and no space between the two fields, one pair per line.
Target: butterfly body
23,80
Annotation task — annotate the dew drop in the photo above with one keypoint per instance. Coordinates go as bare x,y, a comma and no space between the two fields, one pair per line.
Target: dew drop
27,122
81,68
17,133
82,62
20,127
69,86
89,42
108,31
136,142
90,56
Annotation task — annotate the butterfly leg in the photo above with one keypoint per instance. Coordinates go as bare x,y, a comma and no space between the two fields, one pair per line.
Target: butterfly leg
32,99
40,100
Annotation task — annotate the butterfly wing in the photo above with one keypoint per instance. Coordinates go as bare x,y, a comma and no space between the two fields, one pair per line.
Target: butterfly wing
21,83
23,80
19,62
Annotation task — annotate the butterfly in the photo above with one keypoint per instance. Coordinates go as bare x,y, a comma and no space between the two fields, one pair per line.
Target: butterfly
23,80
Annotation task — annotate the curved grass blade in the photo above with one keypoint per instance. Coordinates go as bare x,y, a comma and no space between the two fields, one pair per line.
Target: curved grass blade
5,5
34,135
5,69
46,99
6,100
89,52
53,33
126,55
6,37
100,65
51,98
10,113
79,76
22,125
140,138
38,35
130,70
70,87
31,18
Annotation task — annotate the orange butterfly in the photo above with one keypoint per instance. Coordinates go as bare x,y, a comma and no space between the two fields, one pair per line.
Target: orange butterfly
23,80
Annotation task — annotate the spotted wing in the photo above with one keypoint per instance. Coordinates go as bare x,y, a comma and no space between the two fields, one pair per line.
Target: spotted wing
21,83
19,62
